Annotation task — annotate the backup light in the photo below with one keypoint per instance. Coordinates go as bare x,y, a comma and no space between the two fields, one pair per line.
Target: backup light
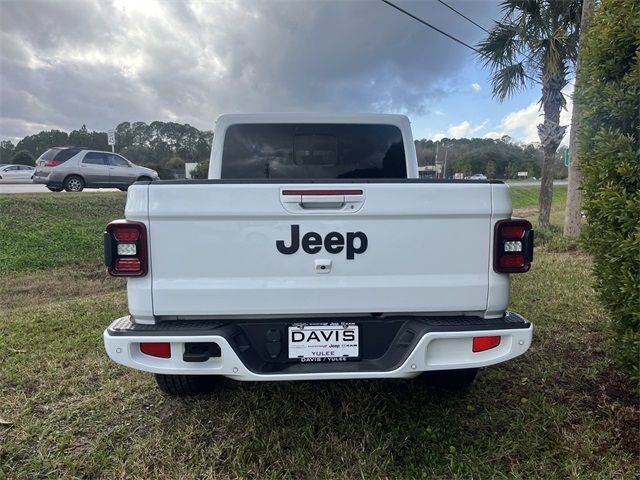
126,249
513,246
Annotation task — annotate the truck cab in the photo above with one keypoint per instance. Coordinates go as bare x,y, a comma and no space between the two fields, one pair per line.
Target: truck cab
314,251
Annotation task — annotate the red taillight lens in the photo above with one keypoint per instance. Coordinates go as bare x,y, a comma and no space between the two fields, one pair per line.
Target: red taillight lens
513,232
480,344
127,264
512,246
125,248
160,350
124,234
512,261
52,163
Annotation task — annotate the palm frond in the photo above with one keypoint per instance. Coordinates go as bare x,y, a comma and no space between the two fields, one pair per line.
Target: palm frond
508,80
501,45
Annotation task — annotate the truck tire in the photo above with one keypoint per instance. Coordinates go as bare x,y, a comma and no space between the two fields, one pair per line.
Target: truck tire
457,380
185,385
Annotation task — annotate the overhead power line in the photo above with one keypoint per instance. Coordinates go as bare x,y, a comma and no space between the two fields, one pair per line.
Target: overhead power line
442,32
463,15
457,40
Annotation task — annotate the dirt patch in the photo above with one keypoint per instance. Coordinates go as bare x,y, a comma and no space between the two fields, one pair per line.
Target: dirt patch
618,400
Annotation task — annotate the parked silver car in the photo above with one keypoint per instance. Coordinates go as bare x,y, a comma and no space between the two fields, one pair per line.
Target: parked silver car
15,173
73,169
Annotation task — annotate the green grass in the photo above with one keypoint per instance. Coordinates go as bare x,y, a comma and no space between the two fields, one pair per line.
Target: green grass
41,231
527,197
560,411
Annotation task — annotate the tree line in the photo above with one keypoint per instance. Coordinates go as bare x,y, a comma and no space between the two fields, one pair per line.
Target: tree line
163,146
167,146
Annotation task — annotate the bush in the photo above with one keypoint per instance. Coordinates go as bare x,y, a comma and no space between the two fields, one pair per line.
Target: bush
23,157
201,170
609,148
552,240
163,172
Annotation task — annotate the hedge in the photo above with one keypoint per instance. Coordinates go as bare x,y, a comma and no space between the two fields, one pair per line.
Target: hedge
609,147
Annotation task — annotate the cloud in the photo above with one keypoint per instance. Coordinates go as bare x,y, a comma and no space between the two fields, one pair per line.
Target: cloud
494,134
523,123
475,87
462,130
63,64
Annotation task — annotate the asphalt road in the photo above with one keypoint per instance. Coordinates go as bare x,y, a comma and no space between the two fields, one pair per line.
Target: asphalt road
38,188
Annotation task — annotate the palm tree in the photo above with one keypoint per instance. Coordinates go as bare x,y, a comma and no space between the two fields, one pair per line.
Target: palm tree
536,41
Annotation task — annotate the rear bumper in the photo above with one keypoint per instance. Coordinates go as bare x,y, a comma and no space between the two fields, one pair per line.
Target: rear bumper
50,181
438,343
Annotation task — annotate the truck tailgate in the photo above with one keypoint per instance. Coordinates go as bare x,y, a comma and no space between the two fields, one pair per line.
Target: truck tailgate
406,247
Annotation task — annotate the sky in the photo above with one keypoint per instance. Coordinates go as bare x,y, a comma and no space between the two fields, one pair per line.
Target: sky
68,63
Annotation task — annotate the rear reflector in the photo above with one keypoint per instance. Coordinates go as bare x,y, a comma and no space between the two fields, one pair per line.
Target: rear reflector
480,344
160,350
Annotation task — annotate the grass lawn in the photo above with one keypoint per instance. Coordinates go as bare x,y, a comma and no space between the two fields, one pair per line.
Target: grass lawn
562,410
527,197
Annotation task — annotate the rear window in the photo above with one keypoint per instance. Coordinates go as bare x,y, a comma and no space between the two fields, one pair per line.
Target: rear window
66,154
59,154
325,151
49,154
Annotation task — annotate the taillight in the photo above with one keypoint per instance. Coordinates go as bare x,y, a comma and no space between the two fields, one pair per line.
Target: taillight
512,246
125,248
53,163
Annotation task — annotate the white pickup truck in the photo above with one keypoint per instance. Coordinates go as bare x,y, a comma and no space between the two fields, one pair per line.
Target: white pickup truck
314,251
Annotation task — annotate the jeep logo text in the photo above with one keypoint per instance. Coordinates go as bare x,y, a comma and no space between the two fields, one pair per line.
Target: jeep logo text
333,242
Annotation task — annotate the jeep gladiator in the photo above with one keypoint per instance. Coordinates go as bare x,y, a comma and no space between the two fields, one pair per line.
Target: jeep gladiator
313,251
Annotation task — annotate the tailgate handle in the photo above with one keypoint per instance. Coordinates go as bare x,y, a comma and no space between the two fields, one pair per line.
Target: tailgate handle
322,199
326,201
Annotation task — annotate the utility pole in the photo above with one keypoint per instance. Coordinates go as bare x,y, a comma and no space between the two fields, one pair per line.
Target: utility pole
444,167
573,210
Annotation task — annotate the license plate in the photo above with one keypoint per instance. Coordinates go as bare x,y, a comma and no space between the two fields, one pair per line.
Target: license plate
329,342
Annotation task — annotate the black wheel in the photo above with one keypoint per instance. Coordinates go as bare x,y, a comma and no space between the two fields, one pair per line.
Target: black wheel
55,189
451,379
186,385
123,189
74,183
144,179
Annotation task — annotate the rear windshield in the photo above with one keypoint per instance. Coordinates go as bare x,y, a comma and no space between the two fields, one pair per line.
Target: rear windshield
326,151
59,154
49,154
